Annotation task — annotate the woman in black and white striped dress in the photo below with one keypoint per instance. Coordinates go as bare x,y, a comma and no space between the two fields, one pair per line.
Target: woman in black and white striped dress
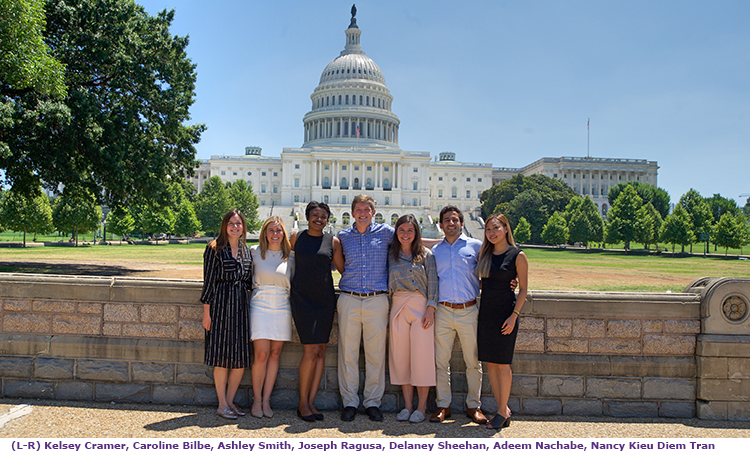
227,276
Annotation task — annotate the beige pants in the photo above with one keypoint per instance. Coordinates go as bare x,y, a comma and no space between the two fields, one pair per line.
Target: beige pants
448,323
362,319
412,347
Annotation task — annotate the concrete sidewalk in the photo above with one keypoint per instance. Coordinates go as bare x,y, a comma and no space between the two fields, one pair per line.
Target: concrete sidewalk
67,419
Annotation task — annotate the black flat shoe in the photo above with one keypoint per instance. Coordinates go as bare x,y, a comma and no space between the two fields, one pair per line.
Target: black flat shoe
319,416
310,418
498,422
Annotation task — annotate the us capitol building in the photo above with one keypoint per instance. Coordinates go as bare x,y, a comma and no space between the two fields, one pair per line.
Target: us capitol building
351,147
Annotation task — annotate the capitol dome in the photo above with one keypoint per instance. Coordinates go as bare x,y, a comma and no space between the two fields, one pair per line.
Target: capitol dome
351,104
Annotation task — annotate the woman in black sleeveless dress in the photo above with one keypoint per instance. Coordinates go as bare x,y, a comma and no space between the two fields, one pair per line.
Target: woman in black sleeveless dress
313,301
500,261
227,276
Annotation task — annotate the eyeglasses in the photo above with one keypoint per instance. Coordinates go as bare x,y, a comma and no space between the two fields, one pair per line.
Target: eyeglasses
234,225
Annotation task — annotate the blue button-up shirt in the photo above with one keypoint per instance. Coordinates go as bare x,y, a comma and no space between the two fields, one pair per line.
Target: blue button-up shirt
456,265
366,258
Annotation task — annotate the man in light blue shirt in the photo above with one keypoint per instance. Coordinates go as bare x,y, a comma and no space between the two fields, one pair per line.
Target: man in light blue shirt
363,309
457,312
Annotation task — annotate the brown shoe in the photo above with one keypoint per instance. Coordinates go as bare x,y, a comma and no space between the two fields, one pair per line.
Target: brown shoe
440,414
476,416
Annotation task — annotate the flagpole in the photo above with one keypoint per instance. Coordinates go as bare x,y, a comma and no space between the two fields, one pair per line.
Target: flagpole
588,138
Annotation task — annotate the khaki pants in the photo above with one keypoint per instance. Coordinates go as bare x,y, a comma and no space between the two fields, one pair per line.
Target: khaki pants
448,323
362,319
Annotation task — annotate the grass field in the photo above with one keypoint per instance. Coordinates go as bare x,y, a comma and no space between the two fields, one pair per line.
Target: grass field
550,269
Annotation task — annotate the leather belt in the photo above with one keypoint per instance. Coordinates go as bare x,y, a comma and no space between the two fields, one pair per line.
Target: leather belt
456,306
363,295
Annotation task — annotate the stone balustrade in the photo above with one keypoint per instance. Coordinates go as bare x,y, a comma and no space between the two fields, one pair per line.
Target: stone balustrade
578,353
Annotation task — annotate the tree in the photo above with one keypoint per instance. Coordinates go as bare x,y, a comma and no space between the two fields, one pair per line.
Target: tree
730,231
534,197
555,231
746,208
120,130
23,214
212,203
585,224
76,212
26,63
120,222
522,233
676,228
658,197
647,225
719,206
186,223
245,200
158,220
622,216
700,215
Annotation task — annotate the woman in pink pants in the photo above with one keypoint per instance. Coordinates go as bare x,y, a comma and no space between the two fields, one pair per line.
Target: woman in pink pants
413,289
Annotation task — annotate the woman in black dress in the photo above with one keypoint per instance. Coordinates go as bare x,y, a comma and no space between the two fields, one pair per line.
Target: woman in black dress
500,261
313,301
227,276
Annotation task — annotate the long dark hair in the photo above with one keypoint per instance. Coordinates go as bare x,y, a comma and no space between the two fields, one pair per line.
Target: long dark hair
417,249
484,262
222,240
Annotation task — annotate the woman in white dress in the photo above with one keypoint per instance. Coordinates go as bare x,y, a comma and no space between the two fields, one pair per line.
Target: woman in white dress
270,312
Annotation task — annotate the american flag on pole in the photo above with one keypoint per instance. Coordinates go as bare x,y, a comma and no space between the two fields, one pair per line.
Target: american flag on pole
587,122
358,131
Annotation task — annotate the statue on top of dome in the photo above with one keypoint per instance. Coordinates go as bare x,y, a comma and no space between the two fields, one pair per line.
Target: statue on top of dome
353,23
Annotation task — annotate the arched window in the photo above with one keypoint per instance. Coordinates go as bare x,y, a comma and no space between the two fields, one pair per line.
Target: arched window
360,100
454,192
296,198
326,183
327,101
387,200
386,184
369,184
345,218
356,183
343,183
347,99
339,99
394,218
379,218
367,100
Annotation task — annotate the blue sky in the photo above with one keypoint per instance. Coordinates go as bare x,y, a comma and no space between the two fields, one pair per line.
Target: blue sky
504,82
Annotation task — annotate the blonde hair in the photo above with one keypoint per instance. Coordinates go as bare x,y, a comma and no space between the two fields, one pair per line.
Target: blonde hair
485,253
286,246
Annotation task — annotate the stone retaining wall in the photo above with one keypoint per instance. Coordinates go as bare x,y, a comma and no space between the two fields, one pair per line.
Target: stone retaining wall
578,353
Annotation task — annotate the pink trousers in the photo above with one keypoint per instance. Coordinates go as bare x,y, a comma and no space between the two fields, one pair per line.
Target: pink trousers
412,348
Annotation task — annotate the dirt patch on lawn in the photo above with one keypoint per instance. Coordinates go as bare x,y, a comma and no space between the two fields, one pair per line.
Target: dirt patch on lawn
102,268
595,280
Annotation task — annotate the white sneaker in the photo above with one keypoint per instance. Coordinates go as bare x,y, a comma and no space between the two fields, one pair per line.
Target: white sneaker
416,417
404,415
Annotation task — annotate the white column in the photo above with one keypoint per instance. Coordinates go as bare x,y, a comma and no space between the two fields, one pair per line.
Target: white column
350,183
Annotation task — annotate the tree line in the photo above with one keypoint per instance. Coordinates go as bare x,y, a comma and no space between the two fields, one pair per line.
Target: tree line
184,213
545,210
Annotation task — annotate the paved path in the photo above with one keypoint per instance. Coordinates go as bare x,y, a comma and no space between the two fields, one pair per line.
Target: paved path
56,419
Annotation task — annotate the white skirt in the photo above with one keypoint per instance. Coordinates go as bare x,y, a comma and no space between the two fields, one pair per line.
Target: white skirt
270,314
